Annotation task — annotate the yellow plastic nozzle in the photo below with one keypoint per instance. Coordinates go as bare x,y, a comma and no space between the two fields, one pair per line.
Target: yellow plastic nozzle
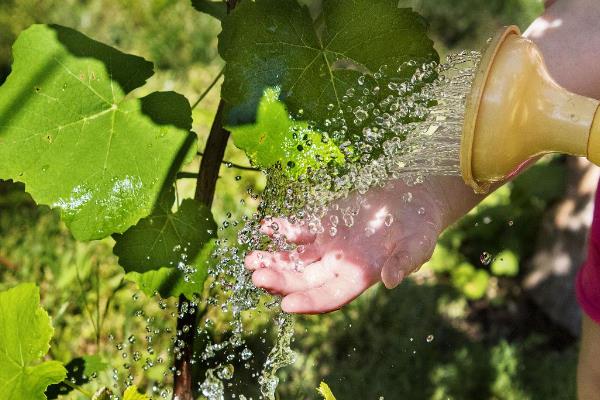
516,111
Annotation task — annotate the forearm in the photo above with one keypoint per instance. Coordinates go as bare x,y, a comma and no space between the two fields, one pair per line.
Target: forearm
568,35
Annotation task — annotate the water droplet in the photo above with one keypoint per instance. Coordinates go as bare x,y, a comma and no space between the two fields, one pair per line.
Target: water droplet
389,220
429,338
485,258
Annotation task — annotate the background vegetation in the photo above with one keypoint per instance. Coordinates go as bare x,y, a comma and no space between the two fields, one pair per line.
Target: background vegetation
459,329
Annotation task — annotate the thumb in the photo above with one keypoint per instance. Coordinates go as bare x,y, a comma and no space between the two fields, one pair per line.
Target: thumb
408,256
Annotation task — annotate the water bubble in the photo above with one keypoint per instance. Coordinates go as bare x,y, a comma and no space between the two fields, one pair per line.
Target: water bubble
429,338
389,220
246,354
485,258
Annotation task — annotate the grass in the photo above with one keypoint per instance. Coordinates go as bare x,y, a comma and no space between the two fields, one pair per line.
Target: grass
421,341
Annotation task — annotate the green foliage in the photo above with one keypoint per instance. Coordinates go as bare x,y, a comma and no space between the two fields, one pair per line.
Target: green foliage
165,239
468,23
421,341
159,30
504,225
156,251
471,281
505,263
131,393
276,139
71,135
25,333
171,282
325,391
276,43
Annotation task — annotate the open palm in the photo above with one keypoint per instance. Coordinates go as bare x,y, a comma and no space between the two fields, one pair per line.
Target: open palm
382,235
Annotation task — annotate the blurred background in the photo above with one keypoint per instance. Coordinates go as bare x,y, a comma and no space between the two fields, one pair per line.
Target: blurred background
491,316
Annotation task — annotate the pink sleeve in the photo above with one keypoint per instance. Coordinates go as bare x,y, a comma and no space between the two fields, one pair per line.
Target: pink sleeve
588,278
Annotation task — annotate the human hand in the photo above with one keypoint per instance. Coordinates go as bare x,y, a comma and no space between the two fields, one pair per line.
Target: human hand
384,235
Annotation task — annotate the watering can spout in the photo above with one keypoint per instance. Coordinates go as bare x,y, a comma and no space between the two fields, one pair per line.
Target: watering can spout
516,111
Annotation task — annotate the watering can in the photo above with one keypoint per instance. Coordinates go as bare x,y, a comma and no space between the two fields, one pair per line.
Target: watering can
516,111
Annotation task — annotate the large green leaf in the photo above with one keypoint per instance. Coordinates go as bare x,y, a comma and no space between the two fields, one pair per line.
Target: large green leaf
275,138
171,282
168,252
70,132
25,333
270,43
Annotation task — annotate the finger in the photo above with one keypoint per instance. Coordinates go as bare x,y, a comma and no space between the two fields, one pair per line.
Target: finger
331,296
410,254
294,233
282,259
284,282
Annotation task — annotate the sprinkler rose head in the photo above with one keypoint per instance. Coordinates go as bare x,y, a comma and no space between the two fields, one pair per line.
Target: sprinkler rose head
516,111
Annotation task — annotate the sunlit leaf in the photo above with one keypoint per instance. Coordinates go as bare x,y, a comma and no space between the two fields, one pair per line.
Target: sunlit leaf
25,333
325,391
71,133
131,393
171,282
505,263
275,138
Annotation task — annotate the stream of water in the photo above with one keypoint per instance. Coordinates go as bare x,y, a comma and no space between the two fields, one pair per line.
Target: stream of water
412,133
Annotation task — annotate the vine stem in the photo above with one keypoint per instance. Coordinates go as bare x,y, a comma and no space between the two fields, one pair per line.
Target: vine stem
188,315
206,183
208,89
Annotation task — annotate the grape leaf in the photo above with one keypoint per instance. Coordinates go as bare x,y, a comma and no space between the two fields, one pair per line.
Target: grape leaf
277,139
171,282
164,238
216,9
325,391
131,393
70,131
25,333
159,247
270,43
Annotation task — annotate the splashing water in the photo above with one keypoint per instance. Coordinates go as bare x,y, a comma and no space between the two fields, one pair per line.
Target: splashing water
408,129
412,132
